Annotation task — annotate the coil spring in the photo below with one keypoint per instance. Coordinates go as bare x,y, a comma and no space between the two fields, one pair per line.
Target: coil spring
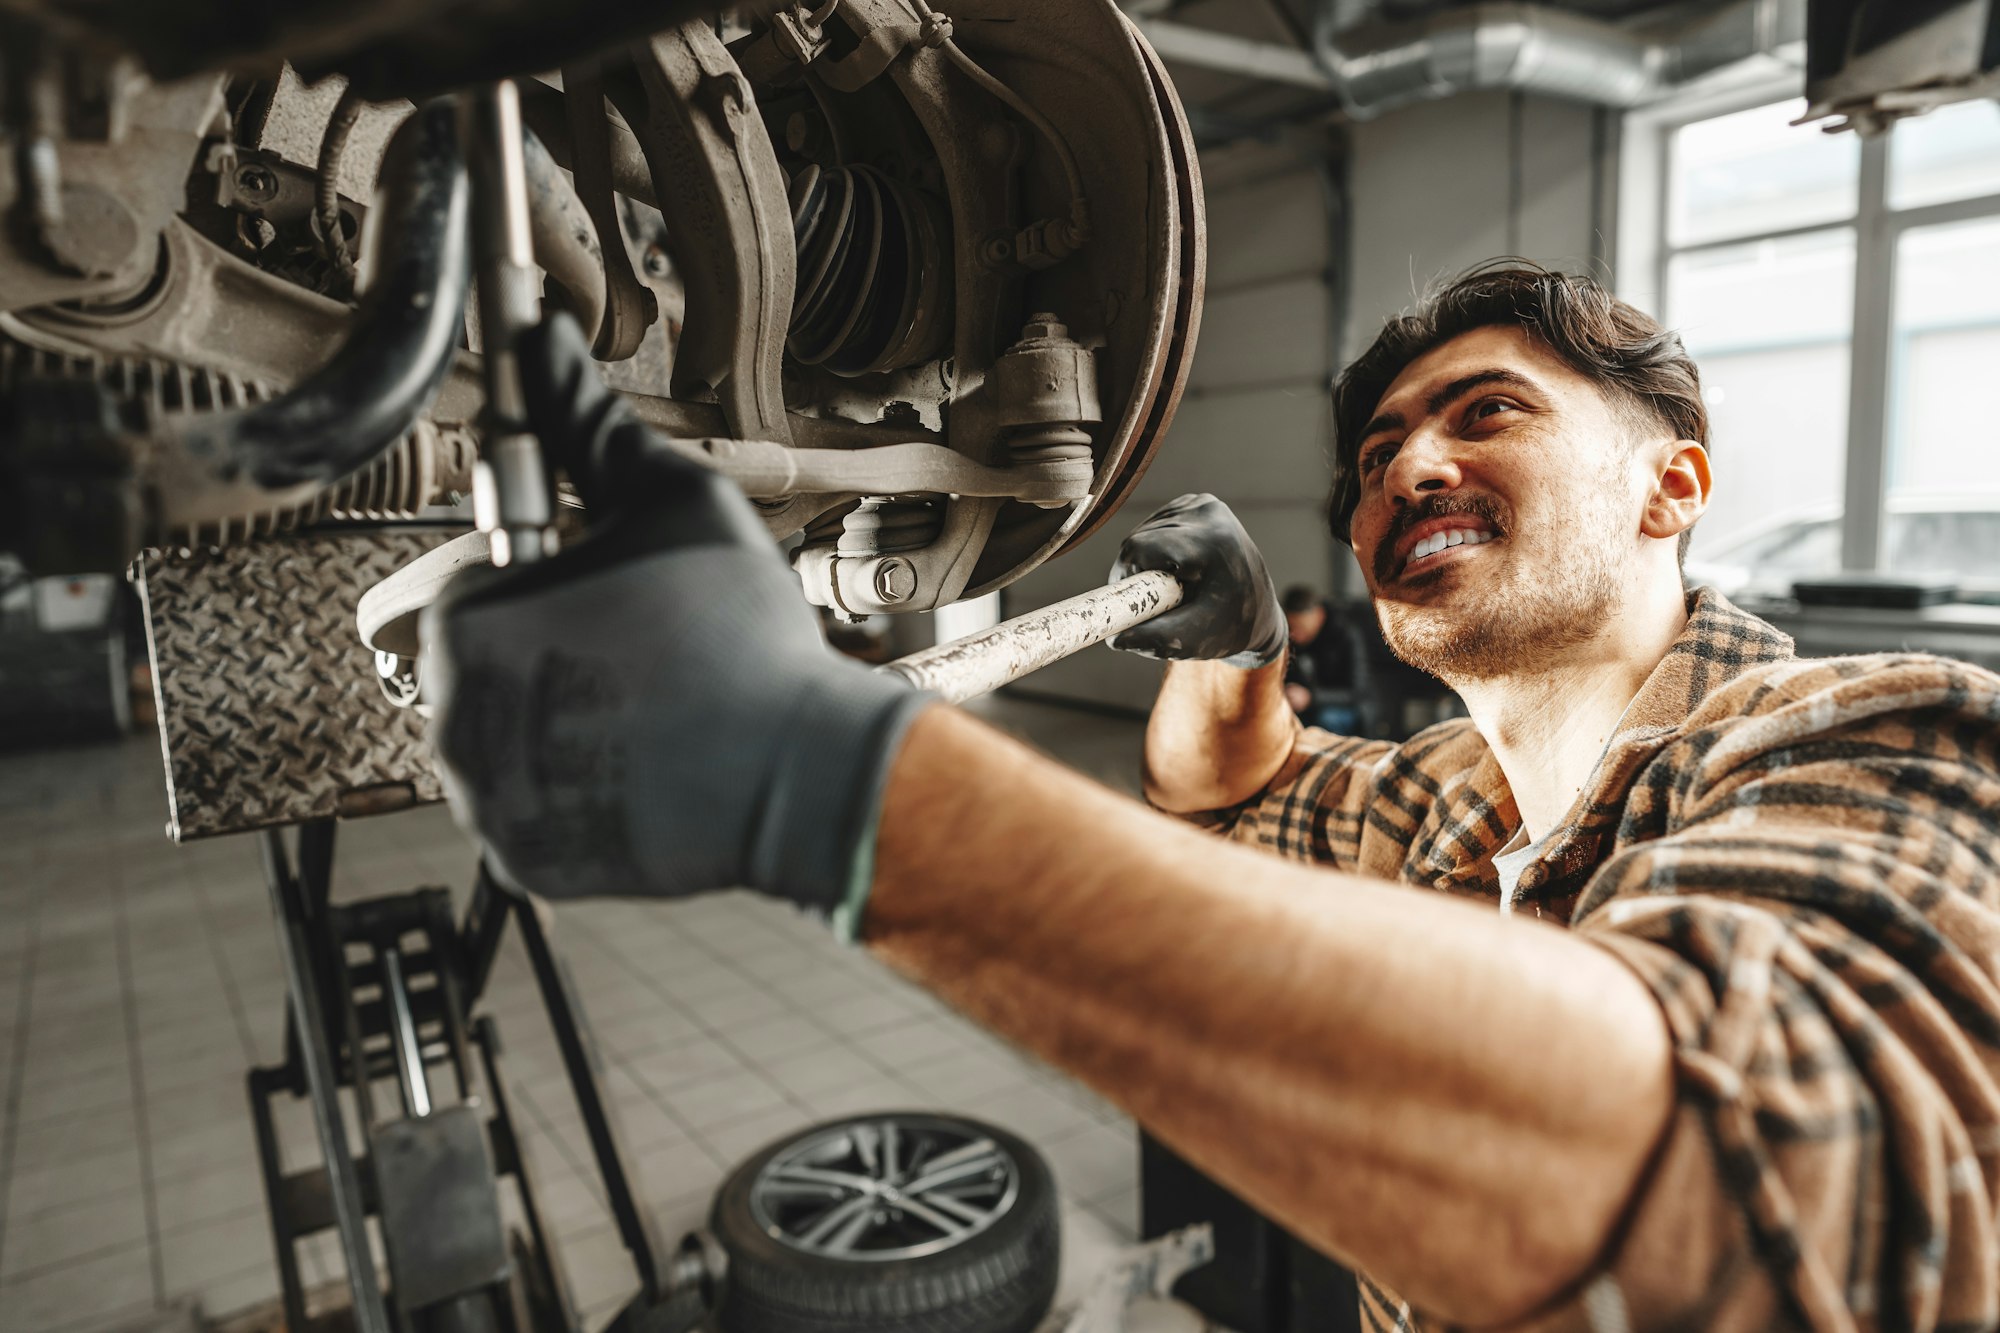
428,465
874,271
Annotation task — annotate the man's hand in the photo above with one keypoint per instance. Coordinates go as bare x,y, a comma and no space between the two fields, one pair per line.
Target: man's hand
654,712
1229,612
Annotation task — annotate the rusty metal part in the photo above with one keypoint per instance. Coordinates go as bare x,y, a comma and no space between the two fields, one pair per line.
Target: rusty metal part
428,467
1135,303
269,711
103,203
983,662
548,113
565,240
629,305
768,471
716,178
1178,336
1047,387
204,307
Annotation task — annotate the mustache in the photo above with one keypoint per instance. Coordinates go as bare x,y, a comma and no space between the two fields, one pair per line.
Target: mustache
1437,506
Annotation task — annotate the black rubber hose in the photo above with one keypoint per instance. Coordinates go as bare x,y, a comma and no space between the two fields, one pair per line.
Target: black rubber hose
400,347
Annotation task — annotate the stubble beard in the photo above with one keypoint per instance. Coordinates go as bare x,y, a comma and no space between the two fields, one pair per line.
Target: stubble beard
1483,629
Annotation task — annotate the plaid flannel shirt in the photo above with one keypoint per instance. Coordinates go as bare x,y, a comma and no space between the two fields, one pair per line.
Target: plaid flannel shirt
1801,858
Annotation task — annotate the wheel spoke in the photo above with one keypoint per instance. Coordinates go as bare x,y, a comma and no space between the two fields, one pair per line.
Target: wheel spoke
802,1189
891,1141
857,1226
957,1207
866,1139
817,1175
918,1209
838,1219
957,1166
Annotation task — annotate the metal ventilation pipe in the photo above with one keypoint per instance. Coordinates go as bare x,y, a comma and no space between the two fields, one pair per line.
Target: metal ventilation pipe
1518,47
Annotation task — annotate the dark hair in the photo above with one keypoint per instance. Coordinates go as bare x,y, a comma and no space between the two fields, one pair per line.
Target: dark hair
1299,598
1619,348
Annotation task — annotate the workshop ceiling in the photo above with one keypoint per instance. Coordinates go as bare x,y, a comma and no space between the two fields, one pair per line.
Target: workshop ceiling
1225,104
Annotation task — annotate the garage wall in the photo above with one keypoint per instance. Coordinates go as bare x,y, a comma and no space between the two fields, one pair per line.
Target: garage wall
1440,186
1426,191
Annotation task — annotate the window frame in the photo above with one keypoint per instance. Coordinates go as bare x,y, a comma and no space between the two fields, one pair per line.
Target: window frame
1643,255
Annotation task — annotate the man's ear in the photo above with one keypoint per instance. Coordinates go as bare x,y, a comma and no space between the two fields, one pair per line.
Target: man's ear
1680,492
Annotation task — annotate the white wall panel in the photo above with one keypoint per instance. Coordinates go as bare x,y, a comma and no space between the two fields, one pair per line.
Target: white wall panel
1266,334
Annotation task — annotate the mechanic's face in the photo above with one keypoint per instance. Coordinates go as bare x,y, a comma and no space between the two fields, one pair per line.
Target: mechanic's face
1501,506
1304,626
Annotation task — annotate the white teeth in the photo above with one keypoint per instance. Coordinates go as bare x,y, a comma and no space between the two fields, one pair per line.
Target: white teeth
1450,537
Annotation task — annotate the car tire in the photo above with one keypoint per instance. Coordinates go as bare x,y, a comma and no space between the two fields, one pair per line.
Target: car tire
904,1275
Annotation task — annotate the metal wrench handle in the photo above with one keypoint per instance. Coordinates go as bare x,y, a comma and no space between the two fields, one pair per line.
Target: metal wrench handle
981,663
511,490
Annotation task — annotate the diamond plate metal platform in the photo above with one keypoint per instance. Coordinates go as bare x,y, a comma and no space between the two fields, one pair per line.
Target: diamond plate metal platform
269,709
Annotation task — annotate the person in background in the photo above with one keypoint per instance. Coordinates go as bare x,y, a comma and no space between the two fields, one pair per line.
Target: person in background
1326,669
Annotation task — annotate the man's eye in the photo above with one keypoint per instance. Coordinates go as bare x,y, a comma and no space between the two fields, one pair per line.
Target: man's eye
1490,407
1377,457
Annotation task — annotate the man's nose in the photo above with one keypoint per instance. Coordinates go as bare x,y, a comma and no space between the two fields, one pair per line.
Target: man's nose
1425,465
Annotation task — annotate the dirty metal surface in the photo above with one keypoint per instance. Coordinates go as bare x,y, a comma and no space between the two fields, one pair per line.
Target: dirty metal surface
269,709
981,663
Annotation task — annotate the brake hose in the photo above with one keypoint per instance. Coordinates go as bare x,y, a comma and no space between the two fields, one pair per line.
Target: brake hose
938,32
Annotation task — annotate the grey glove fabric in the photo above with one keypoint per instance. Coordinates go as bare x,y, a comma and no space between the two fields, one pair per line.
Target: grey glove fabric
1229,610
654,711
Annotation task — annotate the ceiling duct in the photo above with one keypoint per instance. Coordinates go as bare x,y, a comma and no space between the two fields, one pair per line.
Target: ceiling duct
1518,47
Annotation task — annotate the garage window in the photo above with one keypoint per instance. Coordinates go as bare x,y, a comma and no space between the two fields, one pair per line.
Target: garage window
1842,297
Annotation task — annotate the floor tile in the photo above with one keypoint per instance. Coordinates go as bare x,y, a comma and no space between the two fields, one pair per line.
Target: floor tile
195,1256
735,1141
1094,1162
75,1136
209,1195
35,1187
108,1088
718,1101
75,1231
102,1286
247,1290
674,1171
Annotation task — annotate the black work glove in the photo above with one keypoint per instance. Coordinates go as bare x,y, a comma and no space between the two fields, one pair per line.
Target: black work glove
1228,612
654,711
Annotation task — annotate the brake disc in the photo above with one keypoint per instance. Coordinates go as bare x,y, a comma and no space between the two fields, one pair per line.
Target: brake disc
981,229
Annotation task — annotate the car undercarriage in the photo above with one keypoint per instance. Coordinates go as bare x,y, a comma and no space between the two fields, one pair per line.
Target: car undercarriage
925,285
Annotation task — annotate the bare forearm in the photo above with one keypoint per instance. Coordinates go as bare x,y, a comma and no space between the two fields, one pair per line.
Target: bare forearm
1459,1103
1218,735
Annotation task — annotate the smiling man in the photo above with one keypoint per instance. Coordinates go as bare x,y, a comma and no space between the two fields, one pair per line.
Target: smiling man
1662,993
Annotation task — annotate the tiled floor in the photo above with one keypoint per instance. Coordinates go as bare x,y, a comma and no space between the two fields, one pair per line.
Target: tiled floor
138,980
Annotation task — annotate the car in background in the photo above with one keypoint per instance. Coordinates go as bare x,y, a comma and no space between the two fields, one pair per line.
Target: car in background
1950,538
65,657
